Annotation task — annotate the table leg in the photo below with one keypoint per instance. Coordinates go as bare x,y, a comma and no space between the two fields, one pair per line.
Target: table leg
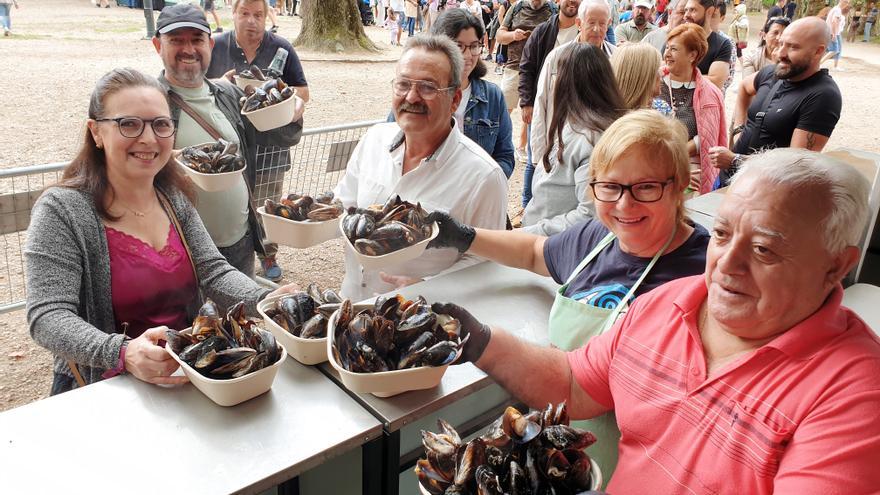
391,463
372,457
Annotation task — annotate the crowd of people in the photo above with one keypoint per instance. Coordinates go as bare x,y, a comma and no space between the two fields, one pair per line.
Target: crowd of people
700,359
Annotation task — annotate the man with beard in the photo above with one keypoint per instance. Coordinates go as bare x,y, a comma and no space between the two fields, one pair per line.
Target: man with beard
675,16
636,29
424,158
250,44
204,109
793,104
716,63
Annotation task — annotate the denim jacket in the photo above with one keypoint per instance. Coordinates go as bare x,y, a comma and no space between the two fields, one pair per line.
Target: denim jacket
487,123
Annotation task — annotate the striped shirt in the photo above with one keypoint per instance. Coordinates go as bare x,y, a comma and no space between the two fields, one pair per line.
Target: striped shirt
798,415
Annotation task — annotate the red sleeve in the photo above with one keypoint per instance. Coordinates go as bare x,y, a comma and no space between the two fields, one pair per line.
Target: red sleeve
836,449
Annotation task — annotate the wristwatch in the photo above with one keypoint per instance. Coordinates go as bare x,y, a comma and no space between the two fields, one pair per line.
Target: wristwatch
120,366
736,162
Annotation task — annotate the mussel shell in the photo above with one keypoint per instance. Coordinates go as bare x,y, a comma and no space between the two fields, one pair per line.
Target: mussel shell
410,328
315,327
297,308
441,353
472,458
193,353
517,480
487,481
268,345
325,197
567,437
440,443
229,361
287,93
331,297
449,430
324,213
177,341
433,482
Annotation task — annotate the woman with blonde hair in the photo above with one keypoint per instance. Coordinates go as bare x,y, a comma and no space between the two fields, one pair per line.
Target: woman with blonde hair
639,239
637,70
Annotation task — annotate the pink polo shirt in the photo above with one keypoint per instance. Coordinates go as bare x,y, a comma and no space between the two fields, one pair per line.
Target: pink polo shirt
800,415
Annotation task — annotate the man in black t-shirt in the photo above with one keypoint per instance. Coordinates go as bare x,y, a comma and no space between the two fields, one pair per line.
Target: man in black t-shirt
716,63
800,113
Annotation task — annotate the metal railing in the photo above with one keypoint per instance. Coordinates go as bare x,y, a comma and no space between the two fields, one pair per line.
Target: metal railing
314,165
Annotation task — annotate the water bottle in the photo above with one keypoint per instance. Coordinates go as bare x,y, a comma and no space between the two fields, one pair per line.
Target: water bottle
276,68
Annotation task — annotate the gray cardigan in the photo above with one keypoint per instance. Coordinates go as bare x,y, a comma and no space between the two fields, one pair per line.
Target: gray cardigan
67,269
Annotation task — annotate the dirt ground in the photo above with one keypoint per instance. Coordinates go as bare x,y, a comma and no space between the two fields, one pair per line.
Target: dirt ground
60,48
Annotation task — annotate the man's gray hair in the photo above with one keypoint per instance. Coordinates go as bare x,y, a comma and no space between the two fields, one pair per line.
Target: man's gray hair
440,43
587,4
845,186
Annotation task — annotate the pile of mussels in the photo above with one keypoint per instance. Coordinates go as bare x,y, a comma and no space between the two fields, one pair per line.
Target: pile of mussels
535,453
305,314
375,231
223,348
395,334
269,93
304,208
253,72
213,158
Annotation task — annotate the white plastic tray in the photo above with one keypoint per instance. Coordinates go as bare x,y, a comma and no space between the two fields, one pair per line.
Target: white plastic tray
298,234
273,116
306,351
211,182
394,257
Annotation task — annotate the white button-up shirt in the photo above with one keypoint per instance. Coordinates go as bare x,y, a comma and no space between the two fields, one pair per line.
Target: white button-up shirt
459,178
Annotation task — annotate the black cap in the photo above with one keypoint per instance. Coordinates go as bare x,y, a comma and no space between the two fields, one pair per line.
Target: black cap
182,15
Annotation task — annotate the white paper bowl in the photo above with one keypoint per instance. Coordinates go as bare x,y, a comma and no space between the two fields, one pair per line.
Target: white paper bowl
211,182
595,473
385,383
394,257
306,351
243,82
273,116
234,390
298,234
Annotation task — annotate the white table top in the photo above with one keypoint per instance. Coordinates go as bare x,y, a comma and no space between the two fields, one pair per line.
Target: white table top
126,436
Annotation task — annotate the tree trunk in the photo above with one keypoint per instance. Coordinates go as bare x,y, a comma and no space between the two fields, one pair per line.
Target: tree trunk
332,26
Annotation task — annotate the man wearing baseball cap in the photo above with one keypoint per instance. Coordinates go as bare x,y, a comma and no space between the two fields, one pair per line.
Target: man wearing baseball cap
639,26
209,110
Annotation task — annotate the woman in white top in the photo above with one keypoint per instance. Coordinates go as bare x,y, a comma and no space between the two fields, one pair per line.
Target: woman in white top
762,55
586,101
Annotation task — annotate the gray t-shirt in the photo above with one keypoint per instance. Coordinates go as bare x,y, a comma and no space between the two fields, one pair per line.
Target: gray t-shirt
224,213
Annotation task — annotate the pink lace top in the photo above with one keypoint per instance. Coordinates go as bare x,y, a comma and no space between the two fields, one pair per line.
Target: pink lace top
149,288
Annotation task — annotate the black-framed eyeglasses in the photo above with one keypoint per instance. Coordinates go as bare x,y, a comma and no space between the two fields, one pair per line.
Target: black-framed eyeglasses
133,127
475,48
426,89
648,191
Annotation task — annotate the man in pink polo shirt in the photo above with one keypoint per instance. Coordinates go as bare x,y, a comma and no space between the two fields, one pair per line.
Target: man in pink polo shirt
751,379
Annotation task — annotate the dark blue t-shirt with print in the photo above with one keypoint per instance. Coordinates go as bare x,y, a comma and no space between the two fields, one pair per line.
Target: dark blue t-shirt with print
607,279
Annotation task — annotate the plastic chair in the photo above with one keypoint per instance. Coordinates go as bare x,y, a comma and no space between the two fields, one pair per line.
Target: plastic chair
863,299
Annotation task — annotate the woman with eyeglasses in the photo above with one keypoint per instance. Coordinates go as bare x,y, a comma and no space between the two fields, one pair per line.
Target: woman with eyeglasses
762,55
639,239
116,253
482,114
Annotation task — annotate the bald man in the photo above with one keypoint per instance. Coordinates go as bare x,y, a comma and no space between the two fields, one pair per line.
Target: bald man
794,103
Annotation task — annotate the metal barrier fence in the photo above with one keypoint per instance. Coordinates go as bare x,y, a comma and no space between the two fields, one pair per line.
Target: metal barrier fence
316,164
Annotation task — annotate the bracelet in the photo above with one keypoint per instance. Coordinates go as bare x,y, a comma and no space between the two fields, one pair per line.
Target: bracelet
120,366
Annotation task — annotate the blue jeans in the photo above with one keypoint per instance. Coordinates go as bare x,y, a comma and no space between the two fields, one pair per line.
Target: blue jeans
5,18
868,26
529,171
410,25
836,45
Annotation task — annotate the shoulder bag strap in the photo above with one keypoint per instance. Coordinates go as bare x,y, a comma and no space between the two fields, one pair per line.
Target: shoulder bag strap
195,115
75,371
759,117
166,205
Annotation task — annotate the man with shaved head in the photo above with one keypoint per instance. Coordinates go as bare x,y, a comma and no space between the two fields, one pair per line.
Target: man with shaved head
793,104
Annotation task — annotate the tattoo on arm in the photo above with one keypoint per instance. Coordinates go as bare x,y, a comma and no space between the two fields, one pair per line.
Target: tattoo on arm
811,140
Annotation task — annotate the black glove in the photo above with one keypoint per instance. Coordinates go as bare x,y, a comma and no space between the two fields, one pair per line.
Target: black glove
479,333
452,232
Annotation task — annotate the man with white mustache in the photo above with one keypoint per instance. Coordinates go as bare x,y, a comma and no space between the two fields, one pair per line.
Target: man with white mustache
183,41
424,158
